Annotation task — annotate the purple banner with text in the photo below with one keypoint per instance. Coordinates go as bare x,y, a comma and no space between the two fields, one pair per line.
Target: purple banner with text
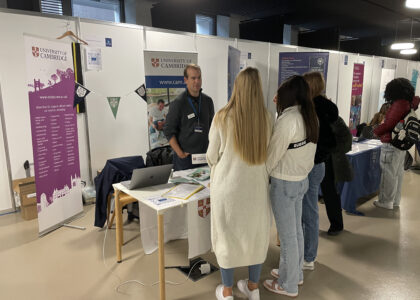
356,97
50,79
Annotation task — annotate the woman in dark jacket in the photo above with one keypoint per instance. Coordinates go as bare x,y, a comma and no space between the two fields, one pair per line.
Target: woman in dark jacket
327,114
400,94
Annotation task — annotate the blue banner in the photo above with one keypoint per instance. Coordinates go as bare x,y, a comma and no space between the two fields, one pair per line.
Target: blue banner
298,63
157,82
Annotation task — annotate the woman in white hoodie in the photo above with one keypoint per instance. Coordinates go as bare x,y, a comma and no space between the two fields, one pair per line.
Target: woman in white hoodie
290,159
240,207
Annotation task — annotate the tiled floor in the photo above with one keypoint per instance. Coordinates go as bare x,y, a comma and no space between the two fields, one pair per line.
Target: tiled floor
376,257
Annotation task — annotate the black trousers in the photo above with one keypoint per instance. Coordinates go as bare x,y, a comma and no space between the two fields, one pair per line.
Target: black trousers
331,198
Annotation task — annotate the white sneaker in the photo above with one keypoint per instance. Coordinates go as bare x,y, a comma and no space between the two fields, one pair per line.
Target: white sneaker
275,274
273,286
219,293
383,205
308,265
243,287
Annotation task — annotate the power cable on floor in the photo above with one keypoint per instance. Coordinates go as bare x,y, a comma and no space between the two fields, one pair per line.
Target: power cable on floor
137,281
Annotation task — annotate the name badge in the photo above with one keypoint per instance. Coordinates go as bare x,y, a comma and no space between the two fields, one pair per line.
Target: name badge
190,116
198,159
198,129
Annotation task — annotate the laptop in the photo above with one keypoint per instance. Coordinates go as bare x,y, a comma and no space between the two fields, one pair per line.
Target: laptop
151,176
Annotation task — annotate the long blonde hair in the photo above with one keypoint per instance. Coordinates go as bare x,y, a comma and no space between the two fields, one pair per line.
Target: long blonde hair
250,119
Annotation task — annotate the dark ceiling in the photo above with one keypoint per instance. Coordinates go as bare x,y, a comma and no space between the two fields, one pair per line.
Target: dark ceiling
375,22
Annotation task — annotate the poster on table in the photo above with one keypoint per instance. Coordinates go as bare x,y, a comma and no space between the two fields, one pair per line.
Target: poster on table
386,76
298,63
164,73
50,83
356,97
234,61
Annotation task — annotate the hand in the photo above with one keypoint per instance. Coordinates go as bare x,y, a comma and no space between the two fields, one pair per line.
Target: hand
183,155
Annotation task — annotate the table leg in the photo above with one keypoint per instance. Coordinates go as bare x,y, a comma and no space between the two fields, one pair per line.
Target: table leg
118,225
161,257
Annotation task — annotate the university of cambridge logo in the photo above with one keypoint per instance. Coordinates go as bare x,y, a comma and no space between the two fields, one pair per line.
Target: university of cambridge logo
204,207
35,51
155,62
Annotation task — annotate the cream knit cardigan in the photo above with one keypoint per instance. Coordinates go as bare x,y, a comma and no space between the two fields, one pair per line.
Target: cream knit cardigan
240,206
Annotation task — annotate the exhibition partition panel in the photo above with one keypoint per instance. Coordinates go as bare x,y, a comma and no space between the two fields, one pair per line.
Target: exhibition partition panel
160,40
274,71
258,58
103,137
122,72
213,59
6,204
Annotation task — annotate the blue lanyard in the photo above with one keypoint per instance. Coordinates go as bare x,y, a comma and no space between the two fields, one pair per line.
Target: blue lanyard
199,107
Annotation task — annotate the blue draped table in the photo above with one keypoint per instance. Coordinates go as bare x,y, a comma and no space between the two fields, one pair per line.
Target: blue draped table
364,158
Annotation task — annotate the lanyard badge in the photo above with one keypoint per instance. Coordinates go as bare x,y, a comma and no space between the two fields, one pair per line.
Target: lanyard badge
198,128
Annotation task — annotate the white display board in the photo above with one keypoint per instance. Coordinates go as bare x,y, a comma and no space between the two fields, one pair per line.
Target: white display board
213,59
259,55
122,72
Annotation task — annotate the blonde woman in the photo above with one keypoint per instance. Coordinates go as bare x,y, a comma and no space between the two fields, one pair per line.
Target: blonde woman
241,212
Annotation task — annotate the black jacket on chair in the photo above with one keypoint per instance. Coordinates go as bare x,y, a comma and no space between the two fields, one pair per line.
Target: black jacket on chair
114,171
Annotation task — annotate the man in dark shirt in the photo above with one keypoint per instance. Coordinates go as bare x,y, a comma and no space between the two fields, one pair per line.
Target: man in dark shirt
188,121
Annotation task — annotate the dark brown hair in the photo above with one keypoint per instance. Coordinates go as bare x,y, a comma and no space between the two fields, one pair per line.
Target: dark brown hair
295,91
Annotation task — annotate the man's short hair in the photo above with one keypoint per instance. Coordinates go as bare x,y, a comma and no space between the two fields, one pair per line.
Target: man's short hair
191,66
160,101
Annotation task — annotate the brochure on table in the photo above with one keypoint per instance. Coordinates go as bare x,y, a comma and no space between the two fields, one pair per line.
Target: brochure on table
199,175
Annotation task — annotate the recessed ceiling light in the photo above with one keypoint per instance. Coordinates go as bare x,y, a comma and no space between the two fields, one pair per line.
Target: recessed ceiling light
408,51
412,3
401,46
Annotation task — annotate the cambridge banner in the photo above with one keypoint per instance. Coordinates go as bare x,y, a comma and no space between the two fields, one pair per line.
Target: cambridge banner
164,73
50,83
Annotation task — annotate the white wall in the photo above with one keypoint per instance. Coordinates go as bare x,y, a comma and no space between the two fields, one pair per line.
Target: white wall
5,200
213,57
259,59
122,72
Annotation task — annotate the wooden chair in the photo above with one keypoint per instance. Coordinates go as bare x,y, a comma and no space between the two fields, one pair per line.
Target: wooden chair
120,200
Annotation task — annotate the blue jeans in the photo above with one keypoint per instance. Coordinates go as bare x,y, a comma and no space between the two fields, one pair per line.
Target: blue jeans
310,216
392,166
286,201
254,275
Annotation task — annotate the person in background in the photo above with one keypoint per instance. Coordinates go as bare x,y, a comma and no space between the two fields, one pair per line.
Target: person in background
188,120
327,113
291,154
399,93
241,212
337,169
379,117
157,117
